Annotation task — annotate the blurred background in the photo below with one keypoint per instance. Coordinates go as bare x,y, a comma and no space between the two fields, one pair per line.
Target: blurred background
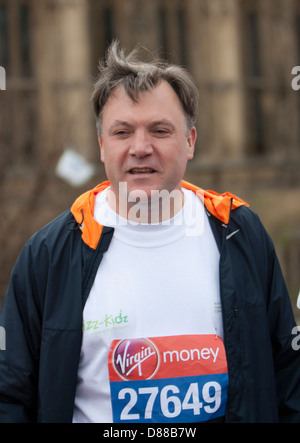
241,54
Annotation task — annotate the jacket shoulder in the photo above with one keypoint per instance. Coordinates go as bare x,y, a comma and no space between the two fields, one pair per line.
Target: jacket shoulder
58,228
50,244
253,235
246,216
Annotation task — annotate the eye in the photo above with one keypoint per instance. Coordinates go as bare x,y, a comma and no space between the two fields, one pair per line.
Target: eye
121,133
161,132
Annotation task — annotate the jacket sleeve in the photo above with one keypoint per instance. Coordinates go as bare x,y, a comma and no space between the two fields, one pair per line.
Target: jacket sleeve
286,354
20,317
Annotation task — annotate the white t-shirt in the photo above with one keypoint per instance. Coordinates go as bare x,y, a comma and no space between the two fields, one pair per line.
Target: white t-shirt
159,281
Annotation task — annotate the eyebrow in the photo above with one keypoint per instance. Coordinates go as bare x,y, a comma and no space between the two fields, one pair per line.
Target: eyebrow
117,123
163,122
126,124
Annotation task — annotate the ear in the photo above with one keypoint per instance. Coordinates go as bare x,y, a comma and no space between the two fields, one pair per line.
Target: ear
100,141
191,140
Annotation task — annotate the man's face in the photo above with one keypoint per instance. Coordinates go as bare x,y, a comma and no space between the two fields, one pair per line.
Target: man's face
146,143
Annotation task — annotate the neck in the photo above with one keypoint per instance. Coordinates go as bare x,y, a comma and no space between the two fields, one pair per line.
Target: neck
161,206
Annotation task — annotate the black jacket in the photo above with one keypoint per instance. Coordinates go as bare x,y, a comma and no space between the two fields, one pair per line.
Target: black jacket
42,316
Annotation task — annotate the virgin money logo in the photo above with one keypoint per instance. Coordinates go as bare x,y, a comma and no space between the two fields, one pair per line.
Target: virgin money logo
136,359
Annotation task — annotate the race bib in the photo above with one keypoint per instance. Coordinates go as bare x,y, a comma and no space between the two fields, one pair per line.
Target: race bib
177,379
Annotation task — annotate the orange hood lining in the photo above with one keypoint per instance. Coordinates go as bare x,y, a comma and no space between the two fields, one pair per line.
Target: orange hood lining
219,205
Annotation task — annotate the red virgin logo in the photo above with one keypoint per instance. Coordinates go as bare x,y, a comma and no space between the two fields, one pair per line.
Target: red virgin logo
136,359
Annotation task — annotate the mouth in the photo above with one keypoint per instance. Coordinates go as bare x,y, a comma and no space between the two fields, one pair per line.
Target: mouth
137,171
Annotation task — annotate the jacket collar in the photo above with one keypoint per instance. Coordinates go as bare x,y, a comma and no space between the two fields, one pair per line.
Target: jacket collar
219,205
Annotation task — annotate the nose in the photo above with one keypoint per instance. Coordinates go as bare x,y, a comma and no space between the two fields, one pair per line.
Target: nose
141,144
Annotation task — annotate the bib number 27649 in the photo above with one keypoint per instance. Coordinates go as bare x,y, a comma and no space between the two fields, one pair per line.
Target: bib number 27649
188,399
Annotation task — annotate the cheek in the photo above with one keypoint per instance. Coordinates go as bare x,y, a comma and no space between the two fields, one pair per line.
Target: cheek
107,154
113,160
178,158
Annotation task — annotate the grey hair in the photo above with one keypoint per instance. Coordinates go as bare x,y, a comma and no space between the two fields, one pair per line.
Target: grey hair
138,76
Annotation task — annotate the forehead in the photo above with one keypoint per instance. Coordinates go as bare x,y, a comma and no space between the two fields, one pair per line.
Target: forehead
158,103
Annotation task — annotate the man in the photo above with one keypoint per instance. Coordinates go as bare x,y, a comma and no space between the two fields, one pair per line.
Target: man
151,299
